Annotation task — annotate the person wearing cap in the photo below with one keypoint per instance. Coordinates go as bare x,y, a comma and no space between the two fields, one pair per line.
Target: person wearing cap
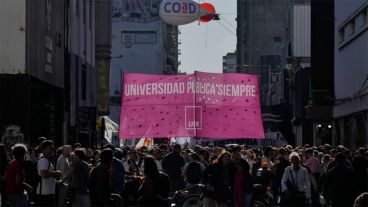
295,183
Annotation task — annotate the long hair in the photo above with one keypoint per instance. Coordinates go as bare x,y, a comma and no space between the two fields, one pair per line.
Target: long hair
150,167
219,159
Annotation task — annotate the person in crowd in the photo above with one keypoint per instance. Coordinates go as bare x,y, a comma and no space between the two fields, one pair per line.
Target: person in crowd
38,149
118,173
16,186
173,164
3,165
63,164
360,167
78,175
133,162
361,200
95,157
100,180
280,164
218,180
295,183
326,159
339,185
46,188
243,185
76,146
268,155
155,188
157,155
193,170
312,162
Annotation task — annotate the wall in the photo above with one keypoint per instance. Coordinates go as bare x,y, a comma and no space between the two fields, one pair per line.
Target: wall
351,62
13,36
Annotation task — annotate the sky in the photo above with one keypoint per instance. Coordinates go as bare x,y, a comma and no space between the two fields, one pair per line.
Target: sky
202,46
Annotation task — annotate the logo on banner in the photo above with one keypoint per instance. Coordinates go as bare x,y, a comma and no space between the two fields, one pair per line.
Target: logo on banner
193,117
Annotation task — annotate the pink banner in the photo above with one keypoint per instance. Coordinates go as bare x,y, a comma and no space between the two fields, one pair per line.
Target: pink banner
207,105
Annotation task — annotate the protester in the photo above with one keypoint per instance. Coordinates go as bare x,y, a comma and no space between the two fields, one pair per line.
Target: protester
95,157
218,179
133,162
295,183
173,164
100,180
193,170
46,187
118,172
243,185
63,164
155,187
15,178
360,167
339,183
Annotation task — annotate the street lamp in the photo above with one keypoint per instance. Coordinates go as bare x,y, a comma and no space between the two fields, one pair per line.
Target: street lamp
269,77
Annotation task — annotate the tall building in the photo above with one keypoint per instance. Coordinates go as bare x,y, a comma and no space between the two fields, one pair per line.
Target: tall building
88,46
262,43
319,109
48,70
229,63
141,43
299,70
32,67
350,109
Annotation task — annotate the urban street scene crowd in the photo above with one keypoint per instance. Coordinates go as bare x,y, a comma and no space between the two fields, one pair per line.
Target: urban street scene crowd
164,175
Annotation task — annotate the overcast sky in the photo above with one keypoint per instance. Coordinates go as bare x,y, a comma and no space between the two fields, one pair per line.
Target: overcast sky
202,46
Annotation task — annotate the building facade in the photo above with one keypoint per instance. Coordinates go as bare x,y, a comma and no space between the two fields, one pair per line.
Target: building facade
32,67
351,69
48,70
141,43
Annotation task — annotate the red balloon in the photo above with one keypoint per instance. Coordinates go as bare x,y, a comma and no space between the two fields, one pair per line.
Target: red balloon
211,9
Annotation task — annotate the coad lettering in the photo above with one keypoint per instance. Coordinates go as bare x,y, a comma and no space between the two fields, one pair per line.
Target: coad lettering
177,8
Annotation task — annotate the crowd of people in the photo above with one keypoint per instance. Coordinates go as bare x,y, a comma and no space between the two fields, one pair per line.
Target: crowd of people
232,175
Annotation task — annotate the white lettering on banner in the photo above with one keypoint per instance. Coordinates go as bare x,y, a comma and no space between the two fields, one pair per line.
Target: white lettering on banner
204,88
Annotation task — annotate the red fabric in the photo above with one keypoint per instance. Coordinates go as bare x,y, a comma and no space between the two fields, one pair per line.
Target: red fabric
238,188
14,172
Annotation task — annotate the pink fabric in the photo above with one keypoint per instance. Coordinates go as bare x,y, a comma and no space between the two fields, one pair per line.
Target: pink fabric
205,105
238,188
313,164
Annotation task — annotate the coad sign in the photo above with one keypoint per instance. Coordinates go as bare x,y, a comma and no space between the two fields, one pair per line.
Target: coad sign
179,12
180,8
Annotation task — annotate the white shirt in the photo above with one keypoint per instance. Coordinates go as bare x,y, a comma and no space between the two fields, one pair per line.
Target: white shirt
63,165
301,180
48,184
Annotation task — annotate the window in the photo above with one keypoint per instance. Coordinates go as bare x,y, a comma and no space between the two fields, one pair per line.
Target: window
341,35
84,82
90,14
351,26
139,37
363,18
84,12
145,38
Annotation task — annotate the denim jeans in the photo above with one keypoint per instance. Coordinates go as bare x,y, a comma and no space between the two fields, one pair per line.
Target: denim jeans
18,200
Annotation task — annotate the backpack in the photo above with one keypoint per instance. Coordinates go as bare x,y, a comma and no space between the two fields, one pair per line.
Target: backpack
194,173
32,177
31,174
